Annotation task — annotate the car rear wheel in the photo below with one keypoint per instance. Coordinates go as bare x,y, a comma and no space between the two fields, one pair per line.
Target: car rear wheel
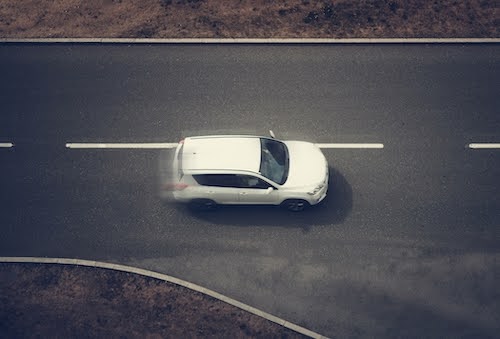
203,204
295,205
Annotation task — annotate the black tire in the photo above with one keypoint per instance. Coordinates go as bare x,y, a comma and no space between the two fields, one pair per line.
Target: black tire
295,205
203,205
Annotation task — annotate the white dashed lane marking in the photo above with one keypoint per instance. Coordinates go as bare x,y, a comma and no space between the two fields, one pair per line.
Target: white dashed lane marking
166,145
350,145
484,146
120,145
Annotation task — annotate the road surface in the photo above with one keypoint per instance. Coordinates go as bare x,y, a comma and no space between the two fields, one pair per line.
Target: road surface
407,243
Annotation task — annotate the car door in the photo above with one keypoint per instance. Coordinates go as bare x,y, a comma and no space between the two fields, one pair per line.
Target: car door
221,188
254,190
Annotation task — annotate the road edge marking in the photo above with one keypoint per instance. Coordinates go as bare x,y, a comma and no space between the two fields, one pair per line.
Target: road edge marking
167,278
255,40
484,145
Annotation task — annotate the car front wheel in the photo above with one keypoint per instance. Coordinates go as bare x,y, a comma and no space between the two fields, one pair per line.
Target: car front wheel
295,205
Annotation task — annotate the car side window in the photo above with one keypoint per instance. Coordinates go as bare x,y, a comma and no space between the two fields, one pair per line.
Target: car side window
248,181
217,180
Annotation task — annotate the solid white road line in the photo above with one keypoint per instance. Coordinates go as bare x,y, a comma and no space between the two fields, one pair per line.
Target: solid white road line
350,145
257,40
81,145
484,145
6,145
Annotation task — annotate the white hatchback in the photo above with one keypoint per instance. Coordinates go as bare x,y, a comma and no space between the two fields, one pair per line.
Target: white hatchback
240,169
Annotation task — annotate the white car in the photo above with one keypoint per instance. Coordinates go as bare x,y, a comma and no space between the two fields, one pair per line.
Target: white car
240,169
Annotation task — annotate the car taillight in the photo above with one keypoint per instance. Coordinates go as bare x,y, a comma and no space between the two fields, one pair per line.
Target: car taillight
181,141
180,187
174,187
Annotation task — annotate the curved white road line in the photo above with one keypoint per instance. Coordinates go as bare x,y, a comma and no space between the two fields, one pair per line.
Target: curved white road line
194,287
256,40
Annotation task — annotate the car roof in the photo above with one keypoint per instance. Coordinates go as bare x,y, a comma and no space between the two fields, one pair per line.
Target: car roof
239,153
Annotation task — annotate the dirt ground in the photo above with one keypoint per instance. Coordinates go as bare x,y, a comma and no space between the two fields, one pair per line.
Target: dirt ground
248,18
55,301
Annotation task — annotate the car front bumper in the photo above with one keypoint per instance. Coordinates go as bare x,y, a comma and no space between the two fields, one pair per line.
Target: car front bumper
320,195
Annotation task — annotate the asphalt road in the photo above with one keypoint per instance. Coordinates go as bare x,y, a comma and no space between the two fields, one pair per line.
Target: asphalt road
407,243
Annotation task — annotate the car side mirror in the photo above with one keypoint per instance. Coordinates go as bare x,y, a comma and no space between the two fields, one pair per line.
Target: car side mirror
269,190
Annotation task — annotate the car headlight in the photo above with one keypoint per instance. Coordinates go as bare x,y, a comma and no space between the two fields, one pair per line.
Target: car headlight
316,189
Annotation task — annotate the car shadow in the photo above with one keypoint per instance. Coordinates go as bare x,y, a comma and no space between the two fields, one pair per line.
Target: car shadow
332,210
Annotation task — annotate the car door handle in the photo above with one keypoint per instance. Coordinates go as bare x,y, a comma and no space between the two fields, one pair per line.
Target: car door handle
210,192
243,193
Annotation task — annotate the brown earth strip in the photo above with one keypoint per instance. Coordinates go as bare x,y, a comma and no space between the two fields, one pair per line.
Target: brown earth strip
249,19
47,301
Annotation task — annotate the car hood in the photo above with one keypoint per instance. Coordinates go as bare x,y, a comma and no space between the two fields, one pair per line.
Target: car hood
308,165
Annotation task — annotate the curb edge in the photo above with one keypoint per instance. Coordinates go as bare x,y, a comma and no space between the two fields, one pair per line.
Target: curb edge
256,40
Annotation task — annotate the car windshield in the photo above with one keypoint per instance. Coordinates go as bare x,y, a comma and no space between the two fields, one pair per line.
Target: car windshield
274,160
